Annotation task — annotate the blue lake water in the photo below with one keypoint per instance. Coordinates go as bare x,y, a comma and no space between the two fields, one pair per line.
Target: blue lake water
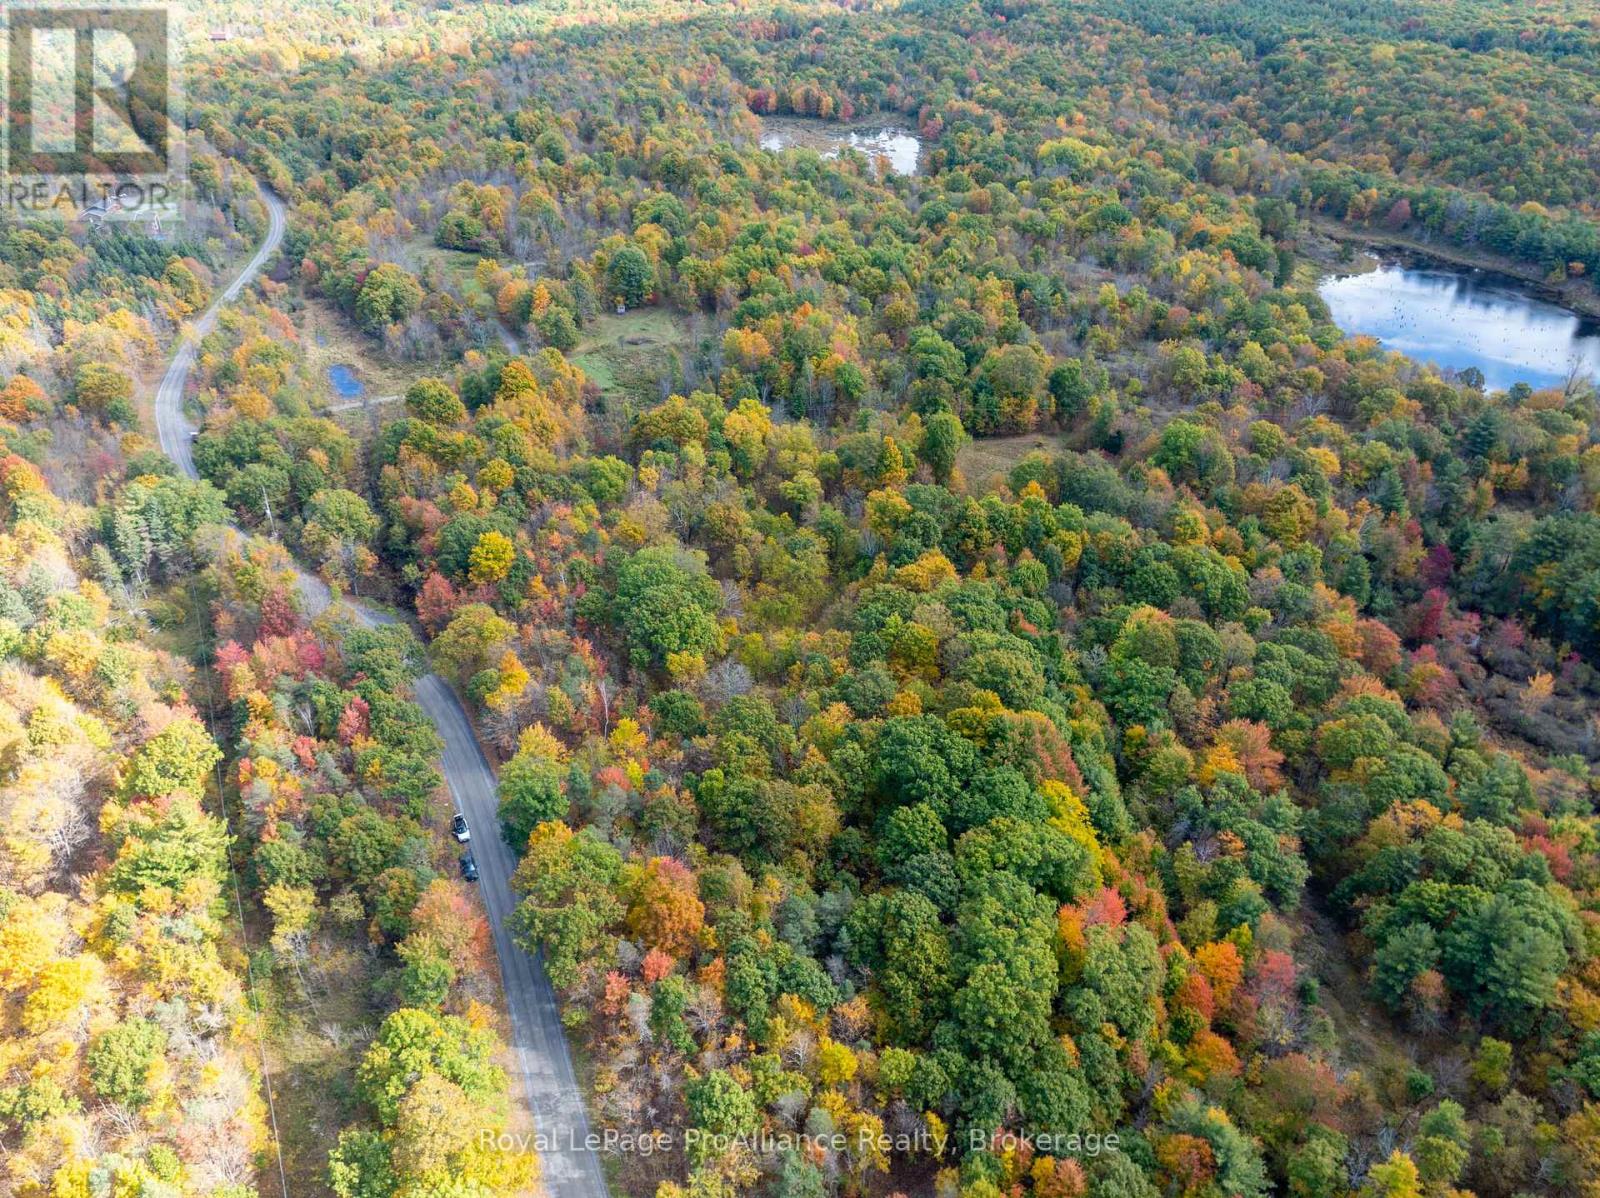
345,383
1465,318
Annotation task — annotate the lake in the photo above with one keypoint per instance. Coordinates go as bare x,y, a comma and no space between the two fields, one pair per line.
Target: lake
345,383
900,146
1460,318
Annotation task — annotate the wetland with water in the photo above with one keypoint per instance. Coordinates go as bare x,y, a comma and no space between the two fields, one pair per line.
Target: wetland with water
901,147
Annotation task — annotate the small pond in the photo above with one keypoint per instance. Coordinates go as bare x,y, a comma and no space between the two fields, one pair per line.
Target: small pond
345,383
899,145
1460,318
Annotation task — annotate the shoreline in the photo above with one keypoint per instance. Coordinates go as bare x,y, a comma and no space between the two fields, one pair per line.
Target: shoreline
1577,295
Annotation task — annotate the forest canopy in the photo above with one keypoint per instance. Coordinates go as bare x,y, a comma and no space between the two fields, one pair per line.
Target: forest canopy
976,663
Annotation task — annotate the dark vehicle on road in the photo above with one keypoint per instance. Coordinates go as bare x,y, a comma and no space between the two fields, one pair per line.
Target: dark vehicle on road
469,867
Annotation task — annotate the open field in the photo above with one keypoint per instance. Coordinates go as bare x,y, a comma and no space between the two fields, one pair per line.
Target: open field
417,253
458,267
627,356
982,462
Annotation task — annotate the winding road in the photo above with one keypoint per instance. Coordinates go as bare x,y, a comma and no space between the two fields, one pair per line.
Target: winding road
571,1165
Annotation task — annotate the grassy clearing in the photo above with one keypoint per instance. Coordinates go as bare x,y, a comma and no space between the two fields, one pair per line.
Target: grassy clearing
330,340
988,461
317,1032
416,254
362,422
627,356
459,269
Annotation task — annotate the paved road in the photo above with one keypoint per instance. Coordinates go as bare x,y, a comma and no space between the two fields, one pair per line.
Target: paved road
571,1167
